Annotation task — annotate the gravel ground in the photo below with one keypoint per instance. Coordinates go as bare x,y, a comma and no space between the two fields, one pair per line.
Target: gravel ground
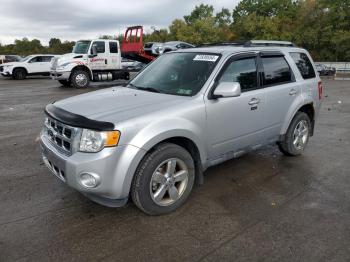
260,207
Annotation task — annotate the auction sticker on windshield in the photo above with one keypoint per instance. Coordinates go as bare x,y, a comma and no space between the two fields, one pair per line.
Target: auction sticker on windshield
209,58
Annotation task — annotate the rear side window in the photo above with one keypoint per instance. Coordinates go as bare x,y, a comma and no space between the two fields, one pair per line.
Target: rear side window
242,71
113,47
304,65
276,70
47,58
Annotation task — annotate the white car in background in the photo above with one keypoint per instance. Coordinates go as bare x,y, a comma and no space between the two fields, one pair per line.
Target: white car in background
28,66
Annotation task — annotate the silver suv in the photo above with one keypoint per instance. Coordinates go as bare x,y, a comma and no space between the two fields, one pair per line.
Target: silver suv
188,110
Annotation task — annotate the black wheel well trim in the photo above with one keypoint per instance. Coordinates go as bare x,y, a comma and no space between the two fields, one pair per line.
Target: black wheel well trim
20,67
310,111
192,148
84,68
76,120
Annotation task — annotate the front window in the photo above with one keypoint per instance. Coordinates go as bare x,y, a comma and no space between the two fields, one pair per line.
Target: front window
243,71
177,73
26,58
37,59
81,47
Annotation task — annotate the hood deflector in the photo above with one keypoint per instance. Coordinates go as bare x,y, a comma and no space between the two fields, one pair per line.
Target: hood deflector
77,120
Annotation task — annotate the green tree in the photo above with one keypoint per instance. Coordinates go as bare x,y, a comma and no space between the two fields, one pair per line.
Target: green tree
107,37
54,42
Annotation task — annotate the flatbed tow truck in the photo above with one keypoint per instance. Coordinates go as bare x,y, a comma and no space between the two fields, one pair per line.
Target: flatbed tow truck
99,60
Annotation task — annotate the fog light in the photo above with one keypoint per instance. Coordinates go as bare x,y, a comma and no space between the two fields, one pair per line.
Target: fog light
89,180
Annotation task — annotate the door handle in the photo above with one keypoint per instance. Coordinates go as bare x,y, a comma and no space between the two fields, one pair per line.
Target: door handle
254,101
106,61
292,92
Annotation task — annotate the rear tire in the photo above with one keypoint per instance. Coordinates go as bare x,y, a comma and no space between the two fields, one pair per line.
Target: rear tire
64,82
80,79
19,74
297,136
163,180
127,76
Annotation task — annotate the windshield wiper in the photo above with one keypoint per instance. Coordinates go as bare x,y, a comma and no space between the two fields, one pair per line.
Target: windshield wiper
150,89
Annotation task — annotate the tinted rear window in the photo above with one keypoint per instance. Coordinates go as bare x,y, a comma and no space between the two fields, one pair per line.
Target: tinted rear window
47,58
304,65
113,47
276,70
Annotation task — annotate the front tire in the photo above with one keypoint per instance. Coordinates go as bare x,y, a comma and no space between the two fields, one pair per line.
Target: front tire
64,82
19,74
164,179
297,136
80,79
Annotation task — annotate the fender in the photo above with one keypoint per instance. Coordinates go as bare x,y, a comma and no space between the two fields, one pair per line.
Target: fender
154,134
294,108
164,129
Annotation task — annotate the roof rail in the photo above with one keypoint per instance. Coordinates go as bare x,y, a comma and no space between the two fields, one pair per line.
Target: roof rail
268,43
251,43
234,43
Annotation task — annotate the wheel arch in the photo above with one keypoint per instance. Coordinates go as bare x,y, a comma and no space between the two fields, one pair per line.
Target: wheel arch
20,67
82,67
306,107
182,139
192,148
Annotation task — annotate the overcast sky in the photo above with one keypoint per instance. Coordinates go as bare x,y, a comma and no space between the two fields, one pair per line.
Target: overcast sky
78,19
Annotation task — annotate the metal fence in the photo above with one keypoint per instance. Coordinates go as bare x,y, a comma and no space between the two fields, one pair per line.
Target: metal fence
342,69
336,65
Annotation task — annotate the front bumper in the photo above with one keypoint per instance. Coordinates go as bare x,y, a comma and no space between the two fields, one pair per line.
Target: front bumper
6,73
115,166
60,75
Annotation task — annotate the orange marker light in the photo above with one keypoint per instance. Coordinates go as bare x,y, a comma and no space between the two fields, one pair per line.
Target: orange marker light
112,138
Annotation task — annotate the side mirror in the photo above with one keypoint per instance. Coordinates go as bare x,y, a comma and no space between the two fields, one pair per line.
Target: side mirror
93,51
227,89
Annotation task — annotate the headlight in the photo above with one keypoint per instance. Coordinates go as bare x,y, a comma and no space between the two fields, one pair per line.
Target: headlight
6,66
63,65
95,141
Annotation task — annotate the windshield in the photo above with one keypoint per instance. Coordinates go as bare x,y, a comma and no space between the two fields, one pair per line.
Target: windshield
26,58
81,47
176,73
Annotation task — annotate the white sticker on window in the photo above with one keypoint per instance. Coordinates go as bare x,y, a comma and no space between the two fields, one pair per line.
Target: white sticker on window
209,58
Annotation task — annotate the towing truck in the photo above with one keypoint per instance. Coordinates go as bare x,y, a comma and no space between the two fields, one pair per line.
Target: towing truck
99,60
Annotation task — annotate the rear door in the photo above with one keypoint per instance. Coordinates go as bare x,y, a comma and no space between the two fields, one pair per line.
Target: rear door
233,123
114,57
281,89
46,64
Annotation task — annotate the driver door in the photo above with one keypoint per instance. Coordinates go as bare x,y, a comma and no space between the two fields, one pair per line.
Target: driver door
234,123
100,61
35,65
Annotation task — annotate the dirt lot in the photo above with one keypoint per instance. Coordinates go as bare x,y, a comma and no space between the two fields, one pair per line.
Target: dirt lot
262,206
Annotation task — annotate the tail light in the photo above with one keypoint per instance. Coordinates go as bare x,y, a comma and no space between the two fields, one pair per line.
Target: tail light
320,90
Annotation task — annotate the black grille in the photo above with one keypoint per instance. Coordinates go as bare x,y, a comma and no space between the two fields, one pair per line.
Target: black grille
60,135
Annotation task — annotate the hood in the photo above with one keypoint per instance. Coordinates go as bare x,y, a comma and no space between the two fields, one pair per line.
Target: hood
10,63
69,57
118,103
